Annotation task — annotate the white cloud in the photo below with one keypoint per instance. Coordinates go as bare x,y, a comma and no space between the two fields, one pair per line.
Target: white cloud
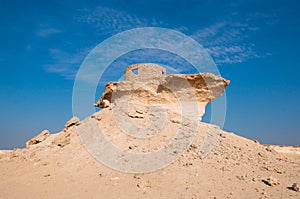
105,21
229,41
65,63
108,20
45,32
226,42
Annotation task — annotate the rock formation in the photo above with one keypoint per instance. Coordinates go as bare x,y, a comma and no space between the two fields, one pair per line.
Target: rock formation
39,138
61,165
147,84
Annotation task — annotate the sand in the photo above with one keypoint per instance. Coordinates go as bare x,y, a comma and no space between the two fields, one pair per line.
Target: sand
60,167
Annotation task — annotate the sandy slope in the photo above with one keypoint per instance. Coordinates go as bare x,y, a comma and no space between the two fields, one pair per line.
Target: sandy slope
60,167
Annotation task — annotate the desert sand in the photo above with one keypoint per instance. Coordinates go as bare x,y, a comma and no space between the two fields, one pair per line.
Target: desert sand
59,165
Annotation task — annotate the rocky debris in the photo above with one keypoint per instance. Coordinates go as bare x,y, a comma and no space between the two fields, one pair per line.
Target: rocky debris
64,138
135,114
242,177
97,116
73,121
4,153
39,138
295,187
271,181
137,176
59,139
105,103
234,163
295,150
47,175
107,94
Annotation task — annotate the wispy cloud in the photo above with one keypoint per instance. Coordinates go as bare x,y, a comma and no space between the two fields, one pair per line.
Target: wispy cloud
111,21
229,41
45,32
66,63
105,21
226,42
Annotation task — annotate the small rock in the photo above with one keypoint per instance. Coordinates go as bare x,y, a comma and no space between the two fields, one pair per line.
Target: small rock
261,155
148,184
39,138
115,178
263,193
105,103
269,149
187,164
225,169
97,117
278,171
271,181
175,121
137,176
295,187
241,177
73,121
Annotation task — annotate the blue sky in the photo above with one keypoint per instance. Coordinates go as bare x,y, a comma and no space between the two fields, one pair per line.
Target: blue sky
255,44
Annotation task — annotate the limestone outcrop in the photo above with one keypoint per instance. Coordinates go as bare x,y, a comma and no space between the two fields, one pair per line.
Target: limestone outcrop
39,138
147,84
157,147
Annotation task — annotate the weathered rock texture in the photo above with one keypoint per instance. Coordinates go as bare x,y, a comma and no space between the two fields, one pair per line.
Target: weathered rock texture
73,121
59,166
39,138
235,168
151,86
142,72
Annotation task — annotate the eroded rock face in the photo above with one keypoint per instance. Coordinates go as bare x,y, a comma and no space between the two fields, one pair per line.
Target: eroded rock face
39,138
173,90
142,72
73,121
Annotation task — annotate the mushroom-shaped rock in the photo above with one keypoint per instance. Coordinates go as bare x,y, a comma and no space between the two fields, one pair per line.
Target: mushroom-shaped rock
150,86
